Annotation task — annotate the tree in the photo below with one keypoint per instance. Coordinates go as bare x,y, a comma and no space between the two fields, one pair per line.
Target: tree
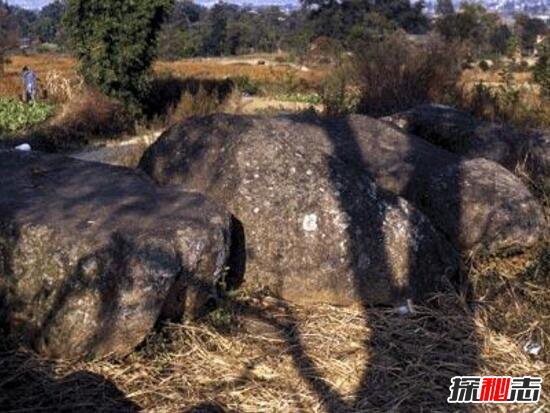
499,39
115,42
179,35
444,7
528,29
475,25
348,20
47,26
8,34
541,71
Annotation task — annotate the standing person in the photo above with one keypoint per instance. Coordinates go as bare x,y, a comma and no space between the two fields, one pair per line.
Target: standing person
29,84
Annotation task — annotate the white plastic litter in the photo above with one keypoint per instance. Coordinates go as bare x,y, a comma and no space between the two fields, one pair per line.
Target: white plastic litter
532,348
24,147
407,308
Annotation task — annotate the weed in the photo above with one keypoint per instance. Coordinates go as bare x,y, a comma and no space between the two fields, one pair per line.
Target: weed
16,116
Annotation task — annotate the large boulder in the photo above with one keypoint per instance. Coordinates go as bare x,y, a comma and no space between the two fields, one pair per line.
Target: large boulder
461,133
477,203
91,255
317,229
277,167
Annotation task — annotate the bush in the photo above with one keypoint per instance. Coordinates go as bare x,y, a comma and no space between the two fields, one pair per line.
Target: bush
541,71
16,116
245,85
395,74
485,65
506,103
338,92
116,43
172,96
89,116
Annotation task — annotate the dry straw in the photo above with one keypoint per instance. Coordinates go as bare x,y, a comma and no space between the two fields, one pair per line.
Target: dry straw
258,354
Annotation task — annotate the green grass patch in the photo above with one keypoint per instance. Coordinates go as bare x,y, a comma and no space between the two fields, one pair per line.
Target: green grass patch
309,98
16,116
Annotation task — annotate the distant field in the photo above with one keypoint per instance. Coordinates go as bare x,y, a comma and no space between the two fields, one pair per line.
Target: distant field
42,64
270,74
493,77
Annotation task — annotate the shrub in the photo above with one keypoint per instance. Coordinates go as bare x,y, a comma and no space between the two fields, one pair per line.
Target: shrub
541,71
485,65
395,74
245,85
60,88
116,43
87,117
506,102
338,92
16,116
172,96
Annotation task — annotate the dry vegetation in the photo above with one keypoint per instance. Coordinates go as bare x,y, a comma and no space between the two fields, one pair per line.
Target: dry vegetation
504,94
43,64
273,75
257,354
180,89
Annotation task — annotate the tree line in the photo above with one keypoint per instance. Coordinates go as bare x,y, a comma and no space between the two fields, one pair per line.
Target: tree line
116,41
192,30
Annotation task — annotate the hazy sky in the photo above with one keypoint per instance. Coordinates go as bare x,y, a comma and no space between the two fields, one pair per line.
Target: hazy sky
30,4
37,4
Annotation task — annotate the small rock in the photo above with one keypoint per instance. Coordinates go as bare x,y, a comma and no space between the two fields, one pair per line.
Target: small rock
25,147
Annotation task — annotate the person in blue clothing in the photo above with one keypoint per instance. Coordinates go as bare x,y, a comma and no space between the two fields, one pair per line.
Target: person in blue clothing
30,81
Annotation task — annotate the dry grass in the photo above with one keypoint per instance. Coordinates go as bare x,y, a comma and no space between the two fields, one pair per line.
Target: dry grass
486,95
217,69
43,64
180,89
88,117
475,75
257,354
270,76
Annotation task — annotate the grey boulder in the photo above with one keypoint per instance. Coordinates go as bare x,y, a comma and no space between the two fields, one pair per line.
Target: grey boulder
477,203
92,255
317,228
461,133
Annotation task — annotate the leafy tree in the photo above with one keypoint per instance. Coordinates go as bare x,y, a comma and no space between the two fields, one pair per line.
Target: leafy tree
116,42
215,41
179,36
513,46
471,24
528,29
499,39
48,24
8,33
541,71
444,7
348,20
22,19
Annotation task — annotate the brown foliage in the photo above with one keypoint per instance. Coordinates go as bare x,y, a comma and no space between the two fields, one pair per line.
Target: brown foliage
87,117
396,74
